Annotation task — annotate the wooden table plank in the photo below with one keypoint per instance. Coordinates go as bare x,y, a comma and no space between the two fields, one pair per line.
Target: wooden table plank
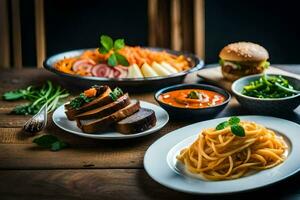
108,184
91,169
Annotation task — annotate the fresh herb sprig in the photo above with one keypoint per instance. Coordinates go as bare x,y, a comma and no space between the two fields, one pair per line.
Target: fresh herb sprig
233,122
51,142
80,100
116,93
37,96
107,44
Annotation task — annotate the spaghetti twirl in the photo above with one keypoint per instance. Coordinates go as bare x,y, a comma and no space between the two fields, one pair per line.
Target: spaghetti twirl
221,155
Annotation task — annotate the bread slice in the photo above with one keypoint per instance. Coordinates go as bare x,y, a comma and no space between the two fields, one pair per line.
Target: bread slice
101,100
106,110
93,125
140,121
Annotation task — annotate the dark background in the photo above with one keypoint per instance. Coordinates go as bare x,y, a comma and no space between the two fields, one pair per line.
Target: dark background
74,24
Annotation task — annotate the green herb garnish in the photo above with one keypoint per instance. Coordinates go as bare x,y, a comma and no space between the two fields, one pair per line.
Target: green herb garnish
193,95
80,101
116,93
269,87
51,142
37,96
233,122
107,44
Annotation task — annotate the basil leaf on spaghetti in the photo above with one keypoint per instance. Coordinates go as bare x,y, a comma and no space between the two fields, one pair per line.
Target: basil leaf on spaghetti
238,130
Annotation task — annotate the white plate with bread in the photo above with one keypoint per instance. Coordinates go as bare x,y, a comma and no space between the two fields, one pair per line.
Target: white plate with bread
102,113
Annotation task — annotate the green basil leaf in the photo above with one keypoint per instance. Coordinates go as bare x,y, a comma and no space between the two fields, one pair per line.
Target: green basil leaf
112,60
58,145
106,42
45,140
234,120
238,130
121,59
119,44
102,50
222,125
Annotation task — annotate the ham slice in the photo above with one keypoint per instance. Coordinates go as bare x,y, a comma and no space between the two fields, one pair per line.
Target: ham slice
101,70
120,71
84,64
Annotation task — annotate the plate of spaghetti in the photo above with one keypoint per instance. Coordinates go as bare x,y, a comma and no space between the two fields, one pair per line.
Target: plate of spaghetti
115,63
225,155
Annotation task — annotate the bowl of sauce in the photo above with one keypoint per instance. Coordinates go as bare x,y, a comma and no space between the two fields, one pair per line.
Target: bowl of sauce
192,100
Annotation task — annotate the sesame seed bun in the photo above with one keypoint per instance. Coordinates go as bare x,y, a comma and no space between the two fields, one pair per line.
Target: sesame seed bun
243,52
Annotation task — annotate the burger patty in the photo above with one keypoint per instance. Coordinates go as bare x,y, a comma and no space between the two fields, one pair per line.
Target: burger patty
243,69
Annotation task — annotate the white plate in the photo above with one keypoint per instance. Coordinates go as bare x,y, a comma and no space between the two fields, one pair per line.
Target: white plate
160,159
60,119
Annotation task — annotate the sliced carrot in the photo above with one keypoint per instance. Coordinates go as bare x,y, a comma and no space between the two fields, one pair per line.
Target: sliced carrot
90,92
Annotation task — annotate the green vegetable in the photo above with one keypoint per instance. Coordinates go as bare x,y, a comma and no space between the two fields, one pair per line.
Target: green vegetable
121,59
107,44
222,125
51,142
233,122
116,93
119,44
112,60
193,95
237,130
37,96
269,87
265,64
221,62
80,101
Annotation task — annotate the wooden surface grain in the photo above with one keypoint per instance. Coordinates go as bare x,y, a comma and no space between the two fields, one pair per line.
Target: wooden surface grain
90,169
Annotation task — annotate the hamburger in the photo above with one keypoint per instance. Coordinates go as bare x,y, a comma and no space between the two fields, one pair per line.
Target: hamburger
242,59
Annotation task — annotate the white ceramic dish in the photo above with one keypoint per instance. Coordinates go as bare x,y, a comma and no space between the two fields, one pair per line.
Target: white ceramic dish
160,159
60,119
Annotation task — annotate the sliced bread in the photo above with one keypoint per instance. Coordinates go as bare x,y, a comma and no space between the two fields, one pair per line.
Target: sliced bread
106,110
100,124
140,121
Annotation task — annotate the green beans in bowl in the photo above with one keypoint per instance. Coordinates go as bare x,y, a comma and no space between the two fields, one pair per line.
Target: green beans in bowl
268,93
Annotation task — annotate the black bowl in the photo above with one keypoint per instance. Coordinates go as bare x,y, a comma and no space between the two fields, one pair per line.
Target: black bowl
267,105
187,113
131,84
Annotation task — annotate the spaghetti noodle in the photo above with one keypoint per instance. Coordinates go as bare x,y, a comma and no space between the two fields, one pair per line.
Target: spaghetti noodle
221,155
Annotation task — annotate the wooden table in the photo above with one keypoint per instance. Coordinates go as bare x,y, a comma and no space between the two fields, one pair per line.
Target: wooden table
92,169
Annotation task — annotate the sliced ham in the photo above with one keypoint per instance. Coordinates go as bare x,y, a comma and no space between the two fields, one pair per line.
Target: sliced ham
101,70
83,65
120,71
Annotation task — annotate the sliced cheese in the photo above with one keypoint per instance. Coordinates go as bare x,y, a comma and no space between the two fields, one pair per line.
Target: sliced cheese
148,71
160,70
169,67
134,72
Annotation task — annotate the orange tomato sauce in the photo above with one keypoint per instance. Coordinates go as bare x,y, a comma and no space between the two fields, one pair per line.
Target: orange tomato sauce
181,99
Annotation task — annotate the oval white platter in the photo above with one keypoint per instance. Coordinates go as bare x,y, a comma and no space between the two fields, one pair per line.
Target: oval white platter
60,119
161,164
